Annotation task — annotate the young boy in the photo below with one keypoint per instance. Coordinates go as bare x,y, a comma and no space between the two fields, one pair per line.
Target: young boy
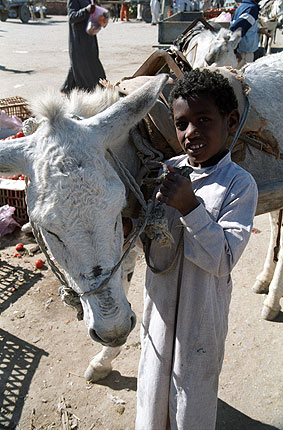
210,216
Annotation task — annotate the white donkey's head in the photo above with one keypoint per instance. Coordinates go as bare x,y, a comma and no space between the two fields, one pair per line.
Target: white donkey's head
75,198
209,48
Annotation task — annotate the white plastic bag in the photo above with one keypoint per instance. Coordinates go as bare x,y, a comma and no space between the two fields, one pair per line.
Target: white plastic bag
7,222
12,122
98,19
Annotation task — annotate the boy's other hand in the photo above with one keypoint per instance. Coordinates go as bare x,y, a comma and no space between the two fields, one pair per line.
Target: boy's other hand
127,226
176,191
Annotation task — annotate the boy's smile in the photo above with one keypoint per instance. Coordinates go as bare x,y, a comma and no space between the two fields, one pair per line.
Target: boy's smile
202,129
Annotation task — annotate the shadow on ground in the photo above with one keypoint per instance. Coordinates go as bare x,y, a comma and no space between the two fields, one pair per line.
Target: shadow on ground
229,418
5,69
118,382
18,363
14,283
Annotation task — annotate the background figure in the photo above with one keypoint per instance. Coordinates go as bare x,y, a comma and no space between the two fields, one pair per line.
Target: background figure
125,11
139,11
246,18
86,68
155,9
205,5
184,5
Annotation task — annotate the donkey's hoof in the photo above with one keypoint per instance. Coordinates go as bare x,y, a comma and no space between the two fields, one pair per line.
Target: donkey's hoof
268,313
260,287
94,374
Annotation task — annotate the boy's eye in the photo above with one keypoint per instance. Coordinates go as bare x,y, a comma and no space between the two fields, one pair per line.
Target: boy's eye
203,119
181,125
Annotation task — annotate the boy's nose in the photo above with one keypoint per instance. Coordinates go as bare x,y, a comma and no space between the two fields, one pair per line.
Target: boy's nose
191,130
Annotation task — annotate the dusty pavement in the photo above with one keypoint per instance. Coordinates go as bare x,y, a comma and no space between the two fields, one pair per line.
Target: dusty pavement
35,56
45,351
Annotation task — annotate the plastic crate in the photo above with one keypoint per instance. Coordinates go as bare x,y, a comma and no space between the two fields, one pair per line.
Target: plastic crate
16,106
11,196
214,13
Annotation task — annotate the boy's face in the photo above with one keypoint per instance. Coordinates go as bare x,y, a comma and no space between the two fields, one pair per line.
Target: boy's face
202,130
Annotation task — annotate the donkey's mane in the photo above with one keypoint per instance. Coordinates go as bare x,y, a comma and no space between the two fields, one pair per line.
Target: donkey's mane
53,106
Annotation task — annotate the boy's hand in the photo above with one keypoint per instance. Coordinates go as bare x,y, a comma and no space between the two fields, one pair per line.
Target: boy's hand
90,8
127,226
176,191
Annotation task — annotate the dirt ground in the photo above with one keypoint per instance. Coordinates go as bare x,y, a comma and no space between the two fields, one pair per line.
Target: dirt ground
45,350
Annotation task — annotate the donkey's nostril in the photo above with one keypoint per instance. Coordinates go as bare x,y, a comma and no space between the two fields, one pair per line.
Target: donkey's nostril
133,321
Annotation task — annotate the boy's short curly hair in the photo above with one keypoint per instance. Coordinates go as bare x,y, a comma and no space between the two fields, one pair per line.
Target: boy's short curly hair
205,82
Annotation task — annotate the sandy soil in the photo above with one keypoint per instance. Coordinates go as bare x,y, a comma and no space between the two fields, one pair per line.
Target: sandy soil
45,350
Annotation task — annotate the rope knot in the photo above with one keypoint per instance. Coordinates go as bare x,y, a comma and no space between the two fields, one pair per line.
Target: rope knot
30,125
157,225
71,298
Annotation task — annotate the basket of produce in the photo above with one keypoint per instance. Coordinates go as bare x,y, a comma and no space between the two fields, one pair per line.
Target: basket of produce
17,106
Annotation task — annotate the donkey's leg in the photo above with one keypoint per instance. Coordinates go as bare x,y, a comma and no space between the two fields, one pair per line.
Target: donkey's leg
268,44
101,365
271,305
264,279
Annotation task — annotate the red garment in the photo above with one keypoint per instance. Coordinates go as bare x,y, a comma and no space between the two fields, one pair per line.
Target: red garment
125,11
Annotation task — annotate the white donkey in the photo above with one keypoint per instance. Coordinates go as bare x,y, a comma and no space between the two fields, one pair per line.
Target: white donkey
76,197
262,75
268,18
209,44
272,9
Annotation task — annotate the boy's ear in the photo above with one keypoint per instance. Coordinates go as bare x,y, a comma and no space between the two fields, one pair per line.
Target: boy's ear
233,120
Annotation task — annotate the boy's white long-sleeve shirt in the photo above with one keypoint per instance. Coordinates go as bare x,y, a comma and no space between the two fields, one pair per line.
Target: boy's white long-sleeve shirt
186,310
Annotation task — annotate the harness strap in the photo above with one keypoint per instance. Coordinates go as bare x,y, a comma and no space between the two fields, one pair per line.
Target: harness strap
133,240
277,246
242,123
57,272
194,49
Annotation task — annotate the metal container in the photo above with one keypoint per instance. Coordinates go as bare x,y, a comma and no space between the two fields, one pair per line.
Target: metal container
170,28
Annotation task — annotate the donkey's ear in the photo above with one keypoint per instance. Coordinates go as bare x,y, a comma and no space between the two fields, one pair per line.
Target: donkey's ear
118,119
13,156
236,37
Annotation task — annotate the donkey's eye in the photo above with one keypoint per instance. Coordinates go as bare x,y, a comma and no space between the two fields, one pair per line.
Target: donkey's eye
54,234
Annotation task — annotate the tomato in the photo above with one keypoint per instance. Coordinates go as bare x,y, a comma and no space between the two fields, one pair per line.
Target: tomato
15,177
22,177
20,134
39,263
19,246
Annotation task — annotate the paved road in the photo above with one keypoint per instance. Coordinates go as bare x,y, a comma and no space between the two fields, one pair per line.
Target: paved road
34,56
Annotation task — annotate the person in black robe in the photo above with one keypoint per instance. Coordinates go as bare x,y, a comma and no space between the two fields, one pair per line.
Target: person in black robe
86,68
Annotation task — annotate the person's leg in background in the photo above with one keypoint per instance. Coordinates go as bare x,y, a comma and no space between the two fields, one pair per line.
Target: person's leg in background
125,11
139,12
